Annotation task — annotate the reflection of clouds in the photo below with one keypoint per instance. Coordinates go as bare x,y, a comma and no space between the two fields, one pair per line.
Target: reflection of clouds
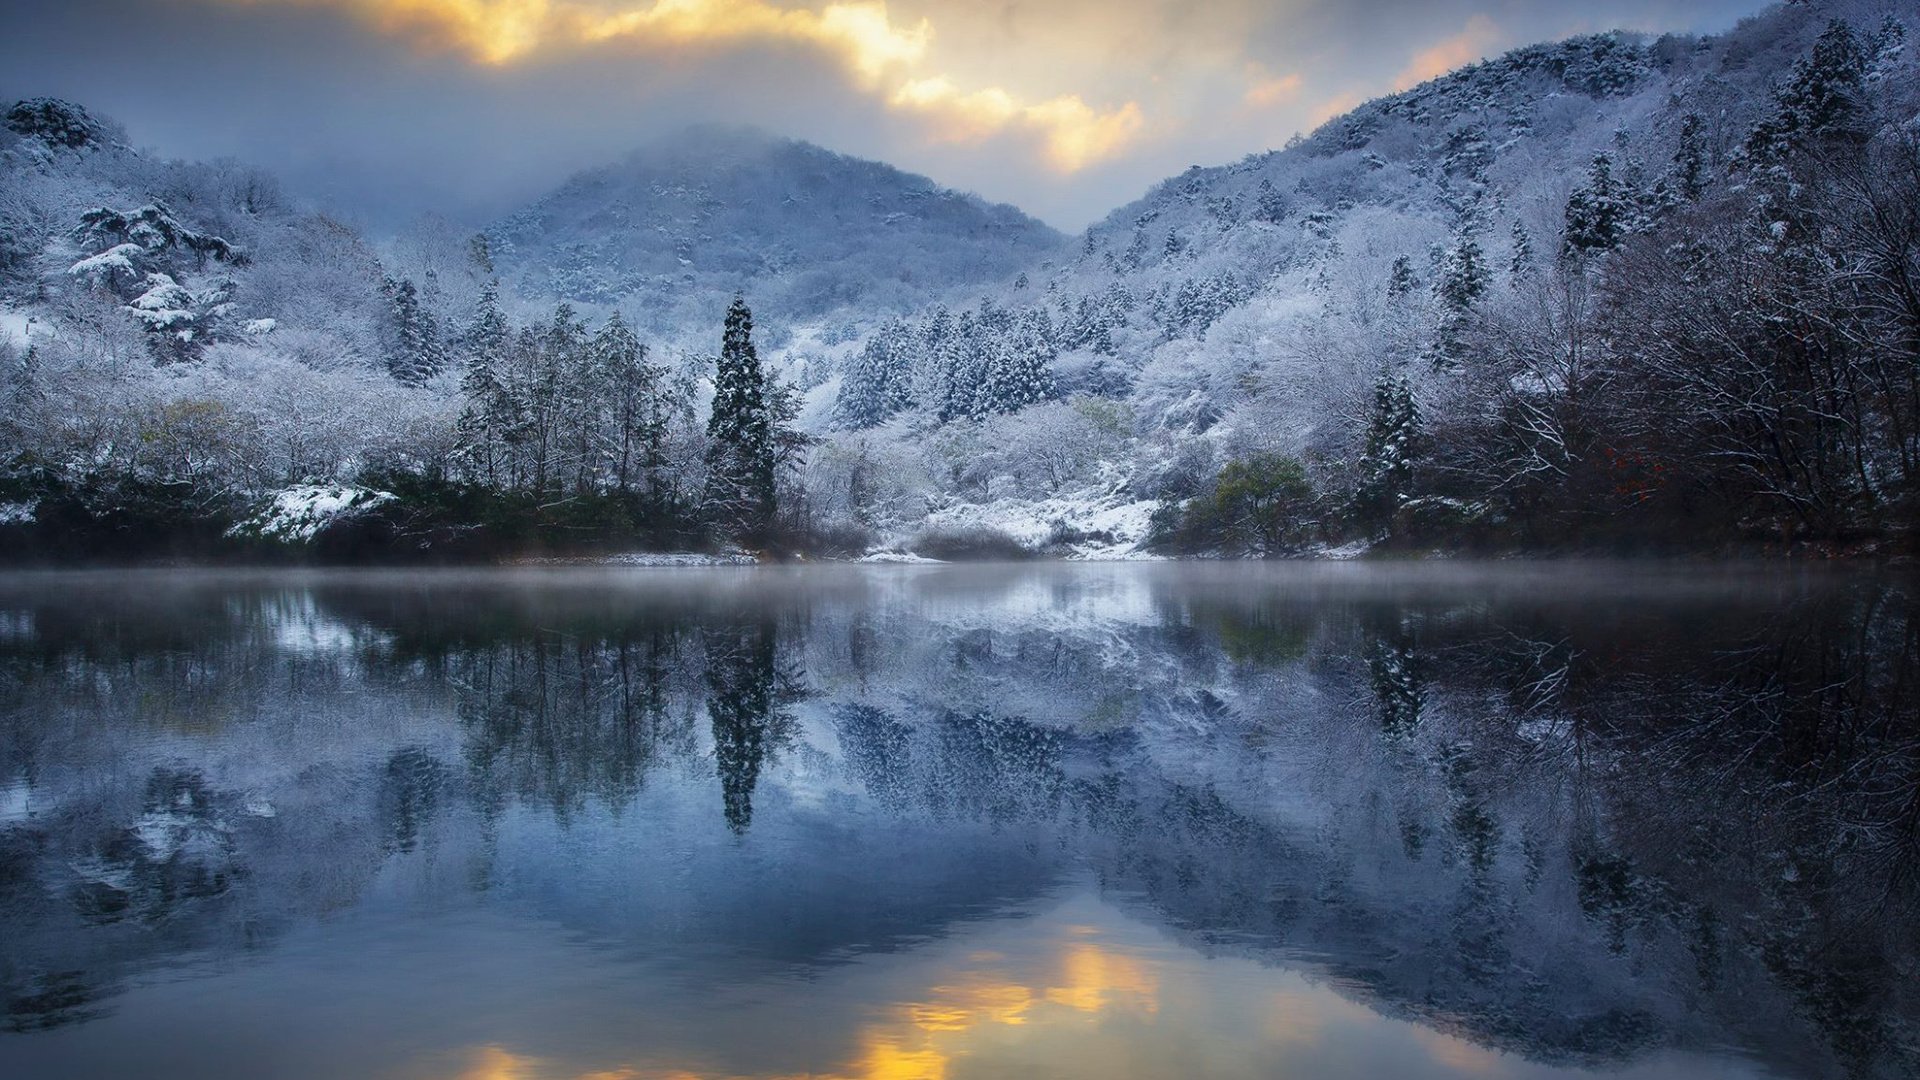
1460,1055
921,1040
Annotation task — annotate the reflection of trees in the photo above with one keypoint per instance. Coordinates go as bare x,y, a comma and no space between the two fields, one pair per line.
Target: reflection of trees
1704,815
1738,788
743,684
556,718
149,878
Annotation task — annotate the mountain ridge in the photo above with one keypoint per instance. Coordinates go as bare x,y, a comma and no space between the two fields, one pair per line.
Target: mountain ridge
718,209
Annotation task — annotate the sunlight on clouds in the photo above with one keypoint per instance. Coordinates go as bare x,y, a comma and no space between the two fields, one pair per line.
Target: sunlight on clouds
1470,44
1073,133
880,55
1265,89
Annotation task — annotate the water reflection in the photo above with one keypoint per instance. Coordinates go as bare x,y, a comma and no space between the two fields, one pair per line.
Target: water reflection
1126,821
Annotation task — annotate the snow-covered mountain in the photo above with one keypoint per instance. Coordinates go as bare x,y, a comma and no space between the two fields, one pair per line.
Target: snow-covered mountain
1253,307
674,230
1447,268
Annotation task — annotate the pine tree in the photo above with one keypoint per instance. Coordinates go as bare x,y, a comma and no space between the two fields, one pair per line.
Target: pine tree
1688,176
1402,281
960,363
1018,370
1387,461
1520,257
739,496
1596,213
489,421
1269,205
414,350
1463,274
1823,99
1459,283
878,381
490,330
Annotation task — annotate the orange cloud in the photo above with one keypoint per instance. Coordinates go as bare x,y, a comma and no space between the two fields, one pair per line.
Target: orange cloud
1265,90
879,55
1470,44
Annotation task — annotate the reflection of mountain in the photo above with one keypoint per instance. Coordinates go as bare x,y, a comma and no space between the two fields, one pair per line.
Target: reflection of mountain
1579,823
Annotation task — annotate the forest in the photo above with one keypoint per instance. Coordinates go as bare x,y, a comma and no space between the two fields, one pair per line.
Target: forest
1394,335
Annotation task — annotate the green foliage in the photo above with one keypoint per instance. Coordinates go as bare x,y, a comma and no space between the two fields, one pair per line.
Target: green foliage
1262,506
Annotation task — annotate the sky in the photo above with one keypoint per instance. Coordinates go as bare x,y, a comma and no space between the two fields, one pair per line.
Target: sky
384,109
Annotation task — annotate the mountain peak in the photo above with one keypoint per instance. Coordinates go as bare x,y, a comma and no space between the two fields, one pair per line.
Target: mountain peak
804,231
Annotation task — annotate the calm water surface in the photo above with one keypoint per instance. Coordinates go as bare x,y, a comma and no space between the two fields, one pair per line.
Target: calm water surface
945,822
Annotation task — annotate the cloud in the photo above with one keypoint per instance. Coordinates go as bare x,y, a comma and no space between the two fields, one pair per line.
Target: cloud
1472,43
881,56
1074,134
1265,90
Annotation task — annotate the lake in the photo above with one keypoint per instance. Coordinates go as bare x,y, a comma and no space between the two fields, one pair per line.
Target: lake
1124,820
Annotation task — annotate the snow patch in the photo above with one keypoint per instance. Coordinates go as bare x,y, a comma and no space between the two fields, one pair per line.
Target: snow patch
113,263
899,557
19,513
647,558
300,513
1088,526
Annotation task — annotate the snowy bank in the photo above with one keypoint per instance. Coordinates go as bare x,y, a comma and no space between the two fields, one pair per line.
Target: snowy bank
645,558
298,514
1086,527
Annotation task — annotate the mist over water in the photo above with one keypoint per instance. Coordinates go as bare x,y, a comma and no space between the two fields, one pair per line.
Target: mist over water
1119,820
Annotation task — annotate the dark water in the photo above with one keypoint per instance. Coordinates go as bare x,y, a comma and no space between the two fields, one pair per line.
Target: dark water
1100,821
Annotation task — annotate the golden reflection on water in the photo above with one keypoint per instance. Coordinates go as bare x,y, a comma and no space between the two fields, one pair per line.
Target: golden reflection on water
921,1039
1054,995
1075,978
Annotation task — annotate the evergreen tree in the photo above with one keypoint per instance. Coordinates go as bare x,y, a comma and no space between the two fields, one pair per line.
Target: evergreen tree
1269,205
878,382
1688,176
1596,212
960,361
490,330
1018,370
739,496
1460,280
489,422
1824,98
1387,461
1402,281
414,350
1520,257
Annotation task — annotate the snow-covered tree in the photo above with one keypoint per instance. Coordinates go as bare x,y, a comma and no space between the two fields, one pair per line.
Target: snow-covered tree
1388,458
1402,281
415,352
1520,252
1824,98
879,378
1018,369
740,490
635,400
1597,211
